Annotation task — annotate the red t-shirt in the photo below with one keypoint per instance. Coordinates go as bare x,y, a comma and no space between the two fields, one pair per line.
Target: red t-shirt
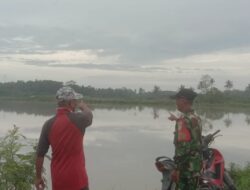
64,133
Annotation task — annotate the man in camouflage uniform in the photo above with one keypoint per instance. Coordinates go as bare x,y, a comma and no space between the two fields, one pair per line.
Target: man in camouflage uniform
187,141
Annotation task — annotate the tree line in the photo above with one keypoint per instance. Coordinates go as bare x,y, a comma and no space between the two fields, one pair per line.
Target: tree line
46,89
210,94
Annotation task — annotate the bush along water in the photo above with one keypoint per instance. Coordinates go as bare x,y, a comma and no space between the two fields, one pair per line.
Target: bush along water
17,165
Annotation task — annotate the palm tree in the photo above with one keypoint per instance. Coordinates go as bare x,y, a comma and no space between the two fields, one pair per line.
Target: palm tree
228,85
206,83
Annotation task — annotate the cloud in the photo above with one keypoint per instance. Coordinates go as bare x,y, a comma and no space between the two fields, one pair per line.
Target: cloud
216,63
151,42
23,39
155,31
224,62
63,58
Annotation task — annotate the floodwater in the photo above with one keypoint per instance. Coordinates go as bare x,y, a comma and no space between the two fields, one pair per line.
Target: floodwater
123,141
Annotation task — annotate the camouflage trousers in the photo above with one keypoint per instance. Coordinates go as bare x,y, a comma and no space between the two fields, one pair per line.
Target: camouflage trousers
189,172
187,183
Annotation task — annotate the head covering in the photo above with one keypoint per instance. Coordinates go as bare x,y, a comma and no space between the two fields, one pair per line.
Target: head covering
187,93
67,93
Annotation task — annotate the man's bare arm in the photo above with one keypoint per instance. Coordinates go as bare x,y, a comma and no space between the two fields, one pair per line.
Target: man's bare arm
40,185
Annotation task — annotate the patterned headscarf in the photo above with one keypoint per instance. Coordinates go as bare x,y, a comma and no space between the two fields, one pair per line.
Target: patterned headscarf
67,93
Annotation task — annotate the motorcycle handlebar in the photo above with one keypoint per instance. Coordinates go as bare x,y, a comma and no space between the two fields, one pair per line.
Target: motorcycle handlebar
207,139
215,133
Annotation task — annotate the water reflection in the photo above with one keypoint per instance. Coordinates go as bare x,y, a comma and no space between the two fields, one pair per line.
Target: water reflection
28,107
210,114
247,120
228,122
124,140
207,113
155,113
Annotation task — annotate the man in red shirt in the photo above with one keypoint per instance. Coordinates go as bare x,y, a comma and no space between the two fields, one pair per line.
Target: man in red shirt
64,133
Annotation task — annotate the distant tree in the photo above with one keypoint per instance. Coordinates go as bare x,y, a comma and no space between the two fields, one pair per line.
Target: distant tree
228,85
206,83
215,91
141,91
247,89
181,87
70,83
29,88
156,89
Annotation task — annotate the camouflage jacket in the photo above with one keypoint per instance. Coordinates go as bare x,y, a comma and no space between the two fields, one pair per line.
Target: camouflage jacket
187,138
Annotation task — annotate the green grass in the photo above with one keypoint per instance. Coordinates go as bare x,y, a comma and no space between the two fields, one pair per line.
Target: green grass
241,176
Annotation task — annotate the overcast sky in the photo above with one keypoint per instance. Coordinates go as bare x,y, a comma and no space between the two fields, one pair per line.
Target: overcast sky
126,43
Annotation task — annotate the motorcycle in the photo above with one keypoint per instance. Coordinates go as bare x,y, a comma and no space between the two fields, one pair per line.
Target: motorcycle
214,176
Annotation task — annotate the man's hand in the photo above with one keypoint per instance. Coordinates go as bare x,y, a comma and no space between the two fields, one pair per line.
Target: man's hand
172,117
39,183
82,105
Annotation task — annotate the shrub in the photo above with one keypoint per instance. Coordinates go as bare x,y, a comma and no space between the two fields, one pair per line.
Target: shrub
240,176
17,169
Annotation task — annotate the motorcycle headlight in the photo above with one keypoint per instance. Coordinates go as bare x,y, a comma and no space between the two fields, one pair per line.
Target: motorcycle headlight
204,181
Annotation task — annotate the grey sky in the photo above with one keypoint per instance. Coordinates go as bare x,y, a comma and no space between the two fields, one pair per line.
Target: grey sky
117,42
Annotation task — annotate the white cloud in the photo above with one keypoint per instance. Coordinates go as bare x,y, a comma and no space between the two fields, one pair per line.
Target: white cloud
169,74
219,61
23,39
62,57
